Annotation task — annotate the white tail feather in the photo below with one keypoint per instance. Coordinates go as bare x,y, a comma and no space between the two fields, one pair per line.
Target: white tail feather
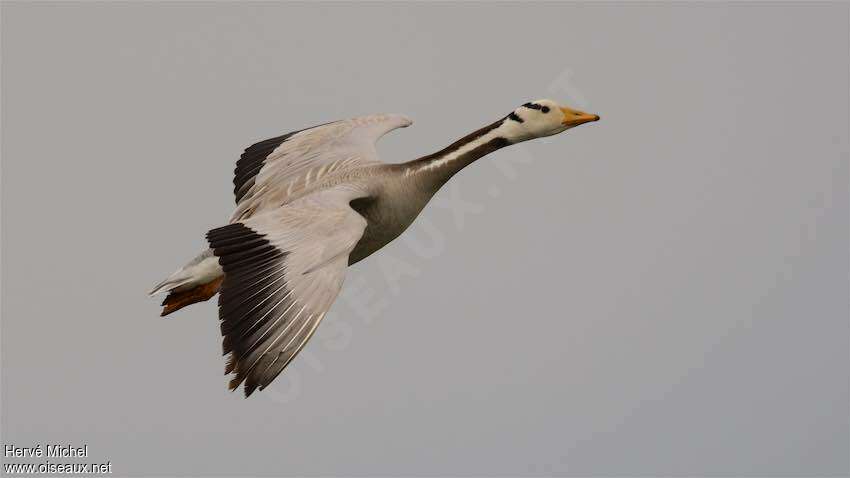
202,269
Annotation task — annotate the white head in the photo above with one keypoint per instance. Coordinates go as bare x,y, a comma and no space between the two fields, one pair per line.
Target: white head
532,120
543,118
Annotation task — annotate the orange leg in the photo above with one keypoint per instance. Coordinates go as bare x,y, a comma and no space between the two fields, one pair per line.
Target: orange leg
178,300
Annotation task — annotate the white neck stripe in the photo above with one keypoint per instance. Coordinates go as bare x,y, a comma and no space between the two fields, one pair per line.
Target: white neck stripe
507,130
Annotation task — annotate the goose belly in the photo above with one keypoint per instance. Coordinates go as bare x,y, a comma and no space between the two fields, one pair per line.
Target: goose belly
383,224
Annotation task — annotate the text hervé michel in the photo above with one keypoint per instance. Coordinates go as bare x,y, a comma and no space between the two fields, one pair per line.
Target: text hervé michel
39,450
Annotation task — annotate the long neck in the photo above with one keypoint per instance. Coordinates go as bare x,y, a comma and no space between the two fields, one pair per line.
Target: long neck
434,170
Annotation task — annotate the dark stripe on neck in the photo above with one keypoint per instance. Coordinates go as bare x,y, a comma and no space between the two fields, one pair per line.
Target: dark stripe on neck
496,143
434,178
515,117
459,144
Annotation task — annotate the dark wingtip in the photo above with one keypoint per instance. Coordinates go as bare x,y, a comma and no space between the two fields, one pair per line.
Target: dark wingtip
249,389
230,366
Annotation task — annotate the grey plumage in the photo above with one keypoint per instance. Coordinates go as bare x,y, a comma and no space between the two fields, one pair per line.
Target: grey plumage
309,203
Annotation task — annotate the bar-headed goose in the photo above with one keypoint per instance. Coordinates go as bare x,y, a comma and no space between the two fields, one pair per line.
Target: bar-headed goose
309,204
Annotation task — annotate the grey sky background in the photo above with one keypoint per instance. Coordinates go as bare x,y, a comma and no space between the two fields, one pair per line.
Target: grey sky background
664,292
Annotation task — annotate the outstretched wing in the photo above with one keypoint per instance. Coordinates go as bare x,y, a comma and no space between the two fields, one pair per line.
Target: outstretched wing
282,271
270,165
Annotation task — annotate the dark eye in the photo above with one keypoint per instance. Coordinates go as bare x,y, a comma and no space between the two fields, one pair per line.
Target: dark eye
545,109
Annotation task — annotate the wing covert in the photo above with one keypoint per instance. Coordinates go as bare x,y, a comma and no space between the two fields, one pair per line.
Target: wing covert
272,162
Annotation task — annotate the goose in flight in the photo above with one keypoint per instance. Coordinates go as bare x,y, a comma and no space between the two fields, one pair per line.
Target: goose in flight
309,204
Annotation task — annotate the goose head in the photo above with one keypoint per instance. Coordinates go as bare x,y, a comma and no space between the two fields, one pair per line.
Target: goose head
540,118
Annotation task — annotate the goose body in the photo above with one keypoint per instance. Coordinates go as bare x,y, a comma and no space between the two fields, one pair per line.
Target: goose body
309,204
